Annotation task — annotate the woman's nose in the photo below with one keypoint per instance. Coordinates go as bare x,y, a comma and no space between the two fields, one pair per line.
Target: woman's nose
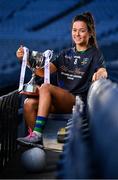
77,33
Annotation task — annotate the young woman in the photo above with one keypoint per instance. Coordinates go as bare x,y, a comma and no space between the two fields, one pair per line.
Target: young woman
76,68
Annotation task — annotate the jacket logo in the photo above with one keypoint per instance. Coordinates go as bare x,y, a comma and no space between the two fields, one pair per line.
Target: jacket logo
84,61
75,61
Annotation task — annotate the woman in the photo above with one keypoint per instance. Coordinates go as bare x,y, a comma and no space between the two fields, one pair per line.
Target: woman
76,68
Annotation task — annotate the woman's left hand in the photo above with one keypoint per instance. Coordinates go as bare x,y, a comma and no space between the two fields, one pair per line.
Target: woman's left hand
101,73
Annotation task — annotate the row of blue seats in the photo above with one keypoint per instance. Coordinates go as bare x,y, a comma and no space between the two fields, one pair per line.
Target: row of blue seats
27,18
91,149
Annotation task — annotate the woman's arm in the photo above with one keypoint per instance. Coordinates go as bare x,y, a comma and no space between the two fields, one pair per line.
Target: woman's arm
40,71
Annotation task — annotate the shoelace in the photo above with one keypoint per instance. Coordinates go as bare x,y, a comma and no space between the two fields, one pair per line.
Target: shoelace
31,133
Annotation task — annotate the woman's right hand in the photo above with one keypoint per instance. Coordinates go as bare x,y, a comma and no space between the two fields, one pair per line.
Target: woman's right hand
20,53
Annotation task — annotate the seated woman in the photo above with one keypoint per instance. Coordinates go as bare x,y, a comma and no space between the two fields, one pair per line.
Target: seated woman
76,68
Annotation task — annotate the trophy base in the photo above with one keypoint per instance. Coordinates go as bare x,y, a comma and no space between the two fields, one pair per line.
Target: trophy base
29,93
30,90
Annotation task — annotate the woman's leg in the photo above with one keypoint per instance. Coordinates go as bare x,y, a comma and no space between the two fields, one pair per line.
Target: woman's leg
30,111
51,99
61,100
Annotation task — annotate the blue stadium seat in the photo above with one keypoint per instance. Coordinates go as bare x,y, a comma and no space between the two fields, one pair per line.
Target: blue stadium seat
103,112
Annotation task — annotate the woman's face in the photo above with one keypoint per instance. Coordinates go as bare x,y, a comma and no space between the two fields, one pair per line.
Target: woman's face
80,34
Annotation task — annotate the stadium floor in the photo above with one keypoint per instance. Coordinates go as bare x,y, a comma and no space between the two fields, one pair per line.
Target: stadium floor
15,170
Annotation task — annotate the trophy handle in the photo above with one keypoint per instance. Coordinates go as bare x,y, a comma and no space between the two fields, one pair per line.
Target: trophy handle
23,68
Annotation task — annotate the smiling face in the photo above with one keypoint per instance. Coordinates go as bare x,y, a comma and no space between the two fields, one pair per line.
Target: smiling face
80,34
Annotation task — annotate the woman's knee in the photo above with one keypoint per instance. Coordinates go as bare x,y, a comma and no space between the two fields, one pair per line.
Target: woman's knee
30,104
45,88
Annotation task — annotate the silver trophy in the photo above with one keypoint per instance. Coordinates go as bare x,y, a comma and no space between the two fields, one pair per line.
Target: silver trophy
36,59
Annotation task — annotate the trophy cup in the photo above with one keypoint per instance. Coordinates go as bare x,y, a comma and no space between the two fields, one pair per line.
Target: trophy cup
40,60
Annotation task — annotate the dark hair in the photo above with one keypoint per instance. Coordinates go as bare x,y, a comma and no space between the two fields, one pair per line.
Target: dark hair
89,20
